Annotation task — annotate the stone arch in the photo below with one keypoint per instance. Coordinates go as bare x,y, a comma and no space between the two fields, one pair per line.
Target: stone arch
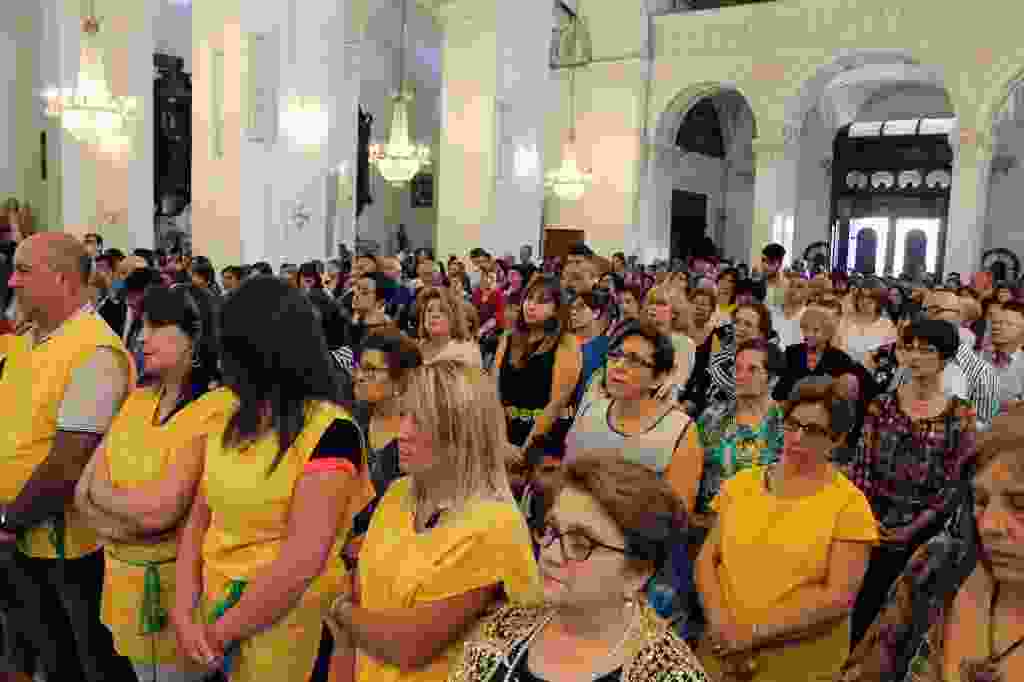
672,116
996,96
809,96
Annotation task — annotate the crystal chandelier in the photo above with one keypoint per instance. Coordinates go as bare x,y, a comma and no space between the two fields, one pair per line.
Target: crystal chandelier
569,182
90,112
399,160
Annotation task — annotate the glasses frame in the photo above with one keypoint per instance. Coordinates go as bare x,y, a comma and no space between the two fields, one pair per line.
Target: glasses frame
790,425
373,373
556,534
615,356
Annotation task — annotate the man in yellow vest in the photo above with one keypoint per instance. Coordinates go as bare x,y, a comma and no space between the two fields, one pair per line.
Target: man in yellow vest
61,384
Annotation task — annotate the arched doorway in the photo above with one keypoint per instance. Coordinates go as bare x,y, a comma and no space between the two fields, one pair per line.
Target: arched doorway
871,128
703,172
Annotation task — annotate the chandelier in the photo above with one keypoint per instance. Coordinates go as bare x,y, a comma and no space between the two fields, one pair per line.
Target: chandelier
90,112
400,160
569,182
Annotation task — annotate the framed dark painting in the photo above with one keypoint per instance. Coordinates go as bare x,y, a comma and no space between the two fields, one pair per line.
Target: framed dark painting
422,186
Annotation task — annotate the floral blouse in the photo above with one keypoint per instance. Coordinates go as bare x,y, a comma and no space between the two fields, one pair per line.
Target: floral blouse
905,643
908,467
730,447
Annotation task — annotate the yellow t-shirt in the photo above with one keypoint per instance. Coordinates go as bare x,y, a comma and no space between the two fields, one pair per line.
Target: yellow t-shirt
772,546
485,543
139,451
249,524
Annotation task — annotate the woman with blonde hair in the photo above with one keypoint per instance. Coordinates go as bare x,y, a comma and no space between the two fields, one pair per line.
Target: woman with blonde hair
443,329
446,541
866,329
659,314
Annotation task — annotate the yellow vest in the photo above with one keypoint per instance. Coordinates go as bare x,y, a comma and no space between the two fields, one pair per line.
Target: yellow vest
140,450
31,389
250,509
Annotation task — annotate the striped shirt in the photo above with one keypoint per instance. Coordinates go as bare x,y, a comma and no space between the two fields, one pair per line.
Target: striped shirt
982,382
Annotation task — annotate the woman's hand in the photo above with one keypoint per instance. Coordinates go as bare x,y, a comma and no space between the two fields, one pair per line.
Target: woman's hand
731,638
193,641
895,536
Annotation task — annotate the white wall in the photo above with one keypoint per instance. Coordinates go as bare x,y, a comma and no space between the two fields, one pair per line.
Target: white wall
173,30
9,184
1005,228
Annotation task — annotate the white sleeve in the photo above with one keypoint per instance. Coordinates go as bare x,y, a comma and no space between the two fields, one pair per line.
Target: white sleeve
95,393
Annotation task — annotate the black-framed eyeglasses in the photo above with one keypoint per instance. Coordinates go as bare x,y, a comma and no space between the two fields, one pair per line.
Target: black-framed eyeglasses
575,545
631,360
376,373
815,430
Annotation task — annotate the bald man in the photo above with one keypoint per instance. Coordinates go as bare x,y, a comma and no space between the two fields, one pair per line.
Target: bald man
61,385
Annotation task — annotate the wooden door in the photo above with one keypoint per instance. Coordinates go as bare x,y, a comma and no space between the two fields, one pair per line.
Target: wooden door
557,241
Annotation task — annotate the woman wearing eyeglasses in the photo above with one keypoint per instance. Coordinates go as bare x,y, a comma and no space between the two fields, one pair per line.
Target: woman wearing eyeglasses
611,526
915,444
785,558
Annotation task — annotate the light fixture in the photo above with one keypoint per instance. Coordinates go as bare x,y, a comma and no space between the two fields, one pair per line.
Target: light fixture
569,182
400,160
305,120
90,112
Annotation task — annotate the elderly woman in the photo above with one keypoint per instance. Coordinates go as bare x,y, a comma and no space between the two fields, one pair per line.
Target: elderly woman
443,329
916,442
784,561
957,610
446,541
735,435
611,526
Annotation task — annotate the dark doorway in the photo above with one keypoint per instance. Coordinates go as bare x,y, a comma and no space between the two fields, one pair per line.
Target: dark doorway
689,222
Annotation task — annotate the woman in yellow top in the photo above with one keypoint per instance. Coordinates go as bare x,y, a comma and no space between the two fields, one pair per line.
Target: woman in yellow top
446,541
782,566
283,476
137,487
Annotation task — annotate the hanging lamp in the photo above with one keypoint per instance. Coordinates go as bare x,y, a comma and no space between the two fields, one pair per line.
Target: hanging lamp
400,160
90,112
569,182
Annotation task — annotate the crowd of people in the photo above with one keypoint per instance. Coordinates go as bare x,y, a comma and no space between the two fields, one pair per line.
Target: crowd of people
391,468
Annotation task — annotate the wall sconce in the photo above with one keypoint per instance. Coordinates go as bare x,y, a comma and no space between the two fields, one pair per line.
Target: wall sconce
304,120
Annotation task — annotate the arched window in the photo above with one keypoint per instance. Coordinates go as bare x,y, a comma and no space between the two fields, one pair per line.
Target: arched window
867,251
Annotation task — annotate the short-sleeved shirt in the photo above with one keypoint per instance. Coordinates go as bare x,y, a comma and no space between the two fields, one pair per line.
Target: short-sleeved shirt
772,546
485,543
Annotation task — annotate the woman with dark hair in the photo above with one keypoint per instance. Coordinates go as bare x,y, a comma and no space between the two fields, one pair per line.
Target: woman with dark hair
915,444
727,284
611,527
283,475
786,556
713,377
538,365
956,612
137,487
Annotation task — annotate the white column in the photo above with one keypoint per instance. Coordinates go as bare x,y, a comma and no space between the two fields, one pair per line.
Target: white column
138,219
774,192
524,34
965,231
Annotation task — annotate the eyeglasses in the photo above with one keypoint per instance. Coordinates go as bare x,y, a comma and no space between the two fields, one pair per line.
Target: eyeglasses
920,350
815,430
373,373
575,545
629,360
936,310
